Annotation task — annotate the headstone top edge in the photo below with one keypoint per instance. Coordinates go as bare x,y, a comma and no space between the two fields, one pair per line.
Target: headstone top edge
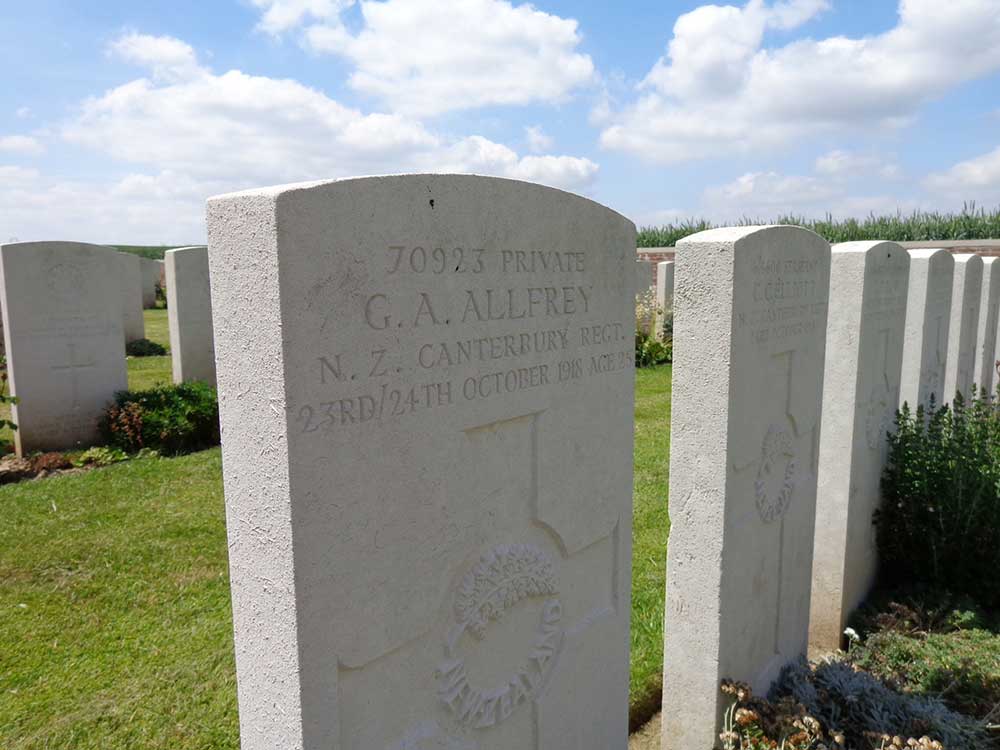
968,258
930,252
280,191
189,248
735,234
62,245
863,247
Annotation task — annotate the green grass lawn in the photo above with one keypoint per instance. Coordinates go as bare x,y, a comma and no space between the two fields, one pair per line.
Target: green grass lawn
115,622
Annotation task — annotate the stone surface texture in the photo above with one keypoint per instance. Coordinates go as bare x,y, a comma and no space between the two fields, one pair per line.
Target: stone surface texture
925,345
985,372
645,291
664,292
131,294
65,344
864,354
152,274
426,392
189,314
966,296
750,311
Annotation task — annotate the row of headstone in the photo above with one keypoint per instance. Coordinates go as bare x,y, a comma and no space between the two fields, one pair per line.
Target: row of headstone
153,276
790,361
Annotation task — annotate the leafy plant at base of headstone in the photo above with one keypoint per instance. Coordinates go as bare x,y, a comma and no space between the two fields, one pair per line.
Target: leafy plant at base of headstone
144,348
868,713
161,297
5,445
939,521
170,419
100,456
652,347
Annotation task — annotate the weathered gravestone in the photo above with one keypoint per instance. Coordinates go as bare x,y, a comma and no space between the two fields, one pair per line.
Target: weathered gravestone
189,314
130,289
664,291
864,354
645,294
65,344
152,274
966,296
985,372
925,344
426,393
750,310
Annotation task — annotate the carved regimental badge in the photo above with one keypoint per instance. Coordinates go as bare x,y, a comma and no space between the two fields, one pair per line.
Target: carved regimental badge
64,280
775,481
504,576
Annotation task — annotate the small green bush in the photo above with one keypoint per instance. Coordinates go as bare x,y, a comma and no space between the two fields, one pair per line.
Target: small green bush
170,419
144,348
100,456
939,522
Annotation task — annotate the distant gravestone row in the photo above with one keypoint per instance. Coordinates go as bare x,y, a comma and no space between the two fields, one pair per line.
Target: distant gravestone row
427,412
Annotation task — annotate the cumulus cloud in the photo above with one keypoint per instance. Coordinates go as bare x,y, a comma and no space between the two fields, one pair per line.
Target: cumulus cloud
281,15
186,137
974,178
168,58
426,57
719,89
20,144
537,138
846,164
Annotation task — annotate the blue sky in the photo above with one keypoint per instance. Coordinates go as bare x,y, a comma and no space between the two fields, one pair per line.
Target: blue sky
118,119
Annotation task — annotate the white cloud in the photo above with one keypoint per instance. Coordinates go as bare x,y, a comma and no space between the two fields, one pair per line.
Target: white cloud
169,59
282,15
720,90
20,144
975,179
538,140
848,164
23,113
185,139
425,57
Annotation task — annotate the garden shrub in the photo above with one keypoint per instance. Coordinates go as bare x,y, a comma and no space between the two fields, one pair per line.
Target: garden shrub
939,521
170,419
144,348
100,456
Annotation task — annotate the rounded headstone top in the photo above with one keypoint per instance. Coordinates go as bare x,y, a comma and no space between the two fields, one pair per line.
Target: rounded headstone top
735,234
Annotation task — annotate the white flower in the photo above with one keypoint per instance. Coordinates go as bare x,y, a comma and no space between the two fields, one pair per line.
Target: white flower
852,635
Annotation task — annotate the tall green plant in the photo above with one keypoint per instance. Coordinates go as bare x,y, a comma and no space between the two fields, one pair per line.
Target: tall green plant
939,523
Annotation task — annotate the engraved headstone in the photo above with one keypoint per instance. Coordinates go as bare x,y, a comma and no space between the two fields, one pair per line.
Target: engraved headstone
189,314
131,293
985,372
966,296
864,354
426,392
65,343
152,275
750,310
925,344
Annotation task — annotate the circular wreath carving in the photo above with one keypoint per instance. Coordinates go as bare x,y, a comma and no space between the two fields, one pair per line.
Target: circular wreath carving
775,483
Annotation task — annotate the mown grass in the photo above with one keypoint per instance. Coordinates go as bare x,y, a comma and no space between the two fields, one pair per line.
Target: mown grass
115,622
972,223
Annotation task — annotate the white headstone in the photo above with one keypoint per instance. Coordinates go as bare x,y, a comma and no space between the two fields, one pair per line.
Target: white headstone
985,371
131,293
65,344
664,292
152,272
750,310
645,293
966,296
189,314
925,346
864,355
426,393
